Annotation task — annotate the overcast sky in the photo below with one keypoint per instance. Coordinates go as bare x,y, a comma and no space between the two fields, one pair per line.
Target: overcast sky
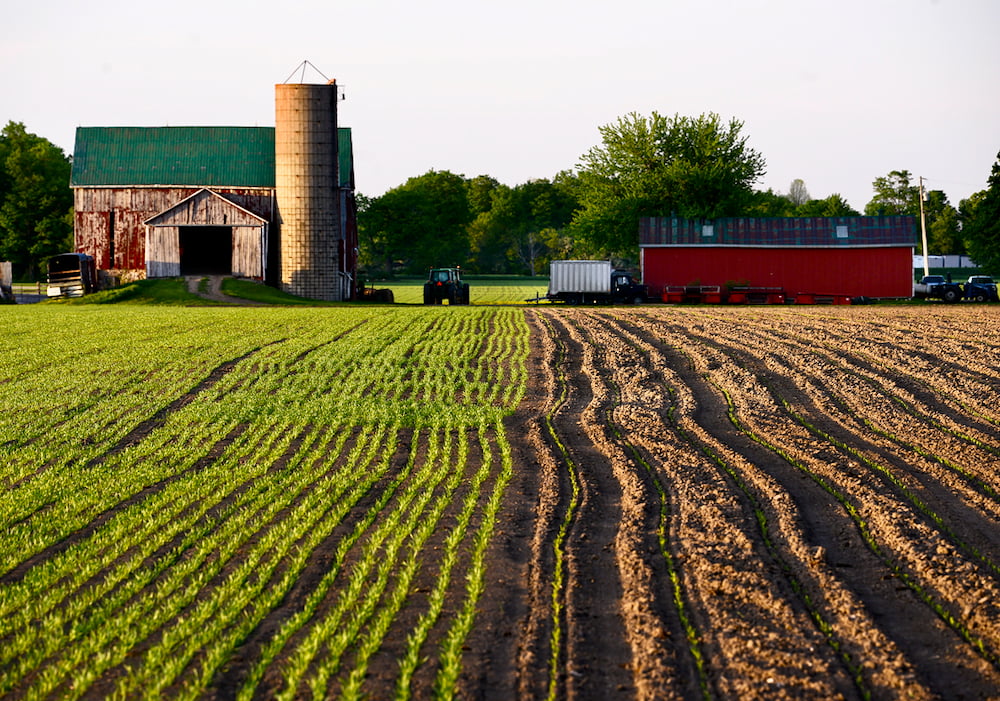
834,93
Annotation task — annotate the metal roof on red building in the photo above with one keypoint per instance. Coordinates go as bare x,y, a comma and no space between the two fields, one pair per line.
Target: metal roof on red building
784,232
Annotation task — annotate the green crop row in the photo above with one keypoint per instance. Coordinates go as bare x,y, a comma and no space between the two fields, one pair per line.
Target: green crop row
173,478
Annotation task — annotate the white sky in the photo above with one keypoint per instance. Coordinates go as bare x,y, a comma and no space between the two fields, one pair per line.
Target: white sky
835,93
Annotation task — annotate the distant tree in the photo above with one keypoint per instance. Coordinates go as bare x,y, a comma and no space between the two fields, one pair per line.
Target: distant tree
480,191
514,234
967,211
418,225
944,229
653,166
543,209
797,192
36,202
982,223
832,206
894,194
489,232
530,248
772,204
768,203
372,244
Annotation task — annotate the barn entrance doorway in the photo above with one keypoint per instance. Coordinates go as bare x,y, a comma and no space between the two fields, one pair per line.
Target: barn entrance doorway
206,250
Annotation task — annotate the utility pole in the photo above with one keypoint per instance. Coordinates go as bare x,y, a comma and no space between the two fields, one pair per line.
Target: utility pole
923,227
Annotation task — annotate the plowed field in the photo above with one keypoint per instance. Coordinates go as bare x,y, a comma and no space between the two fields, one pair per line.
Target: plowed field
497,503
754,502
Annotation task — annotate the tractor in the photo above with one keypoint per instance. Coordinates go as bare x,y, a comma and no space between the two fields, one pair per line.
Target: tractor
446,284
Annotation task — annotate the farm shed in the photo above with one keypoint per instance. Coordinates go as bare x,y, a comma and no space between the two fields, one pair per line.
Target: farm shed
845,256
168,201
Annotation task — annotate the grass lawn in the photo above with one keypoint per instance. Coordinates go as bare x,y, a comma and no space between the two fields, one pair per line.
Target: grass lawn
484,289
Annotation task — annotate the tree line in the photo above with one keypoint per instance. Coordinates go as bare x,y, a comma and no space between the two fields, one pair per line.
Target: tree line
692,167
36,202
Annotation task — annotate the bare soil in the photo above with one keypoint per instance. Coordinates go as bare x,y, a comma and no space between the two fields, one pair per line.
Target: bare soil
706,502
750,502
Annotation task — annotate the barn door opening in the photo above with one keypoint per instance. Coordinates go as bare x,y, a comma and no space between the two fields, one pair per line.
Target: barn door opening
206,250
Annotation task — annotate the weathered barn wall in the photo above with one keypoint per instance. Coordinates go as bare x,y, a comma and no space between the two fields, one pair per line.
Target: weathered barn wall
249,251
164,253
110,222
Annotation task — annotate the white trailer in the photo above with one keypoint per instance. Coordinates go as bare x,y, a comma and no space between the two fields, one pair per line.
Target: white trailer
583,281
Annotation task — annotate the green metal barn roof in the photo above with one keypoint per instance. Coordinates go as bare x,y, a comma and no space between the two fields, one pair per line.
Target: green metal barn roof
183,156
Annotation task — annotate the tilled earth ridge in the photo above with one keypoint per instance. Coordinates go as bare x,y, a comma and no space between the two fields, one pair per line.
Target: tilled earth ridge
734,503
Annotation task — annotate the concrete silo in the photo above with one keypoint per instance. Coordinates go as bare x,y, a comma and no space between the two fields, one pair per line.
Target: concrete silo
306,189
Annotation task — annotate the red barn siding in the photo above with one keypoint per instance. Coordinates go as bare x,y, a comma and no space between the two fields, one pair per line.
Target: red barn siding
870,272
128,208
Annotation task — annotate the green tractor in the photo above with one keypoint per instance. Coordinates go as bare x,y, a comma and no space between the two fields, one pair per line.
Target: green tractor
446,284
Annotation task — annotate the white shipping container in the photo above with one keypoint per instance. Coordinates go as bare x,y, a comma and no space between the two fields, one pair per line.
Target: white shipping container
579,276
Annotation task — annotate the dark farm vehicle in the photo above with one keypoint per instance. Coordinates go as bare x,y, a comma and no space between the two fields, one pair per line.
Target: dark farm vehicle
938,287
446,284
980,288
922,289
71,275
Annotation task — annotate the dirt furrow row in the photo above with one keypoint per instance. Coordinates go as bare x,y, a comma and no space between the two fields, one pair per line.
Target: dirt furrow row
921,525
652,626
759,636
915,550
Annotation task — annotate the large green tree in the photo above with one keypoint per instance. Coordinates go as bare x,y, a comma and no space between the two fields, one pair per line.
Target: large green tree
487,235
981,223
524,226
418,225
697,167
896,194
36,202
944,228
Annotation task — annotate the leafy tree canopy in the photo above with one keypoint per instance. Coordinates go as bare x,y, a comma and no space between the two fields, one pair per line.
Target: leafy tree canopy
768,203
832,206
696,167
418,225
524,226
981,218
35,200
896,194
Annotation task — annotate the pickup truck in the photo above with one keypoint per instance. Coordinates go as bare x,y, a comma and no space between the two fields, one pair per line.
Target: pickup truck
980,288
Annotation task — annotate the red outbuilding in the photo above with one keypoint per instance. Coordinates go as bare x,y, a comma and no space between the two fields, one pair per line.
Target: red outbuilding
789,258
